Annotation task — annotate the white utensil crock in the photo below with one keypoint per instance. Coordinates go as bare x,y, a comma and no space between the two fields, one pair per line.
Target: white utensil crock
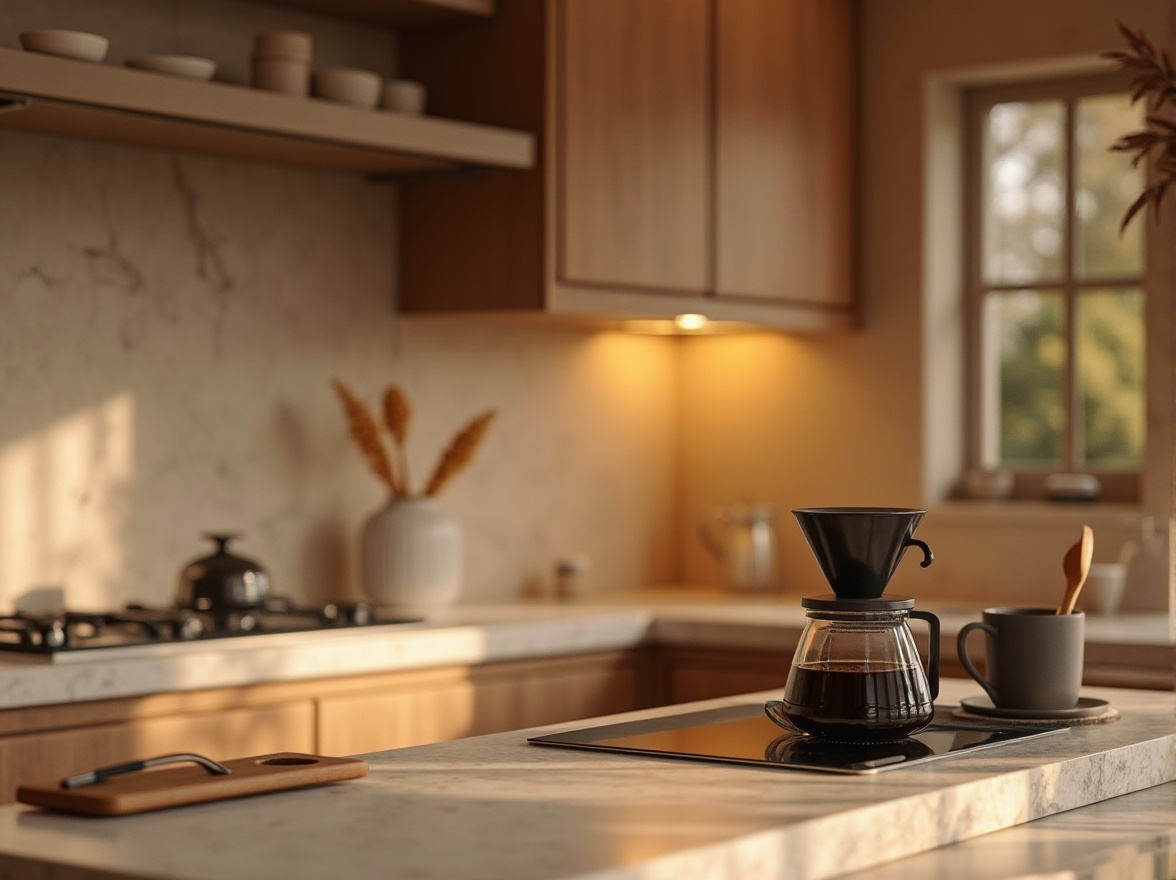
411,554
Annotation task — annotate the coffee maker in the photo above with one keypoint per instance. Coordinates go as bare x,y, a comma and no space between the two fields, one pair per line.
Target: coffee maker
856,676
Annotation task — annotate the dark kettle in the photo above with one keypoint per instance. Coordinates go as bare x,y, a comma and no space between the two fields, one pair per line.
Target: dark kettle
223,581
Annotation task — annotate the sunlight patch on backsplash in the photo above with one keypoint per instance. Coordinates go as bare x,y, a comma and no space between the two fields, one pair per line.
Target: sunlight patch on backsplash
62,510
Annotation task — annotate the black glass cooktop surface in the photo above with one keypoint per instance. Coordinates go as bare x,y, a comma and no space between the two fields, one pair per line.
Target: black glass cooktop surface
744,735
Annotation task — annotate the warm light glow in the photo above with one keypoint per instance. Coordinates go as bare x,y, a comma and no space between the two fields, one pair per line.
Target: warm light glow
63,504
685,325
690,322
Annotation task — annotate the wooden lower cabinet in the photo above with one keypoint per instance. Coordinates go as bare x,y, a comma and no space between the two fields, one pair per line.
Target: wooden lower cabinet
358,714
336,716
684,675
231,733
366,713
406,709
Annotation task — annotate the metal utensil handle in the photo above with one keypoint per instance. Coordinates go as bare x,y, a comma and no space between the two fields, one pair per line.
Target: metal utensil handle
933,649
91,776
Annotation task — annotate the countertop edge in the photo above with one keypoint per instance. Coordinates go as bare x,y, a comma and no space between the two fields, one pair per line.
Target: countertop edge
465,636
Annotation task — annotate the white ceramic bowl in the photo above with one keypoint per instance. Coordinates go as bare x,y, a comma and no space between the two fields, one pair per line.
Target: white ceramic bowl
187,66
348,86
68,44
990,485
403,96
1072,487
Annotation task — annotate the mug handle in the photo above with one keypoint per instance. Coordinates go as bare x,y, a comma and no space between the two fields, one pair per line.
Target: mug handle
928,556
933,649
966,661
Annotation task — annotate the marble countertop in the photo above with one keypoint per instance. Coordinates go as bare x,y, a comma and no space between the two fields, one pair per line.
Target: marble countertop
477,634
497,807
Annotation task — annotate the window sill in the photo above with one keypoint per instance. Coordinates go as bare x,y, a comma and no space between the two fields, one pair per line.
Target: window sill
1055,511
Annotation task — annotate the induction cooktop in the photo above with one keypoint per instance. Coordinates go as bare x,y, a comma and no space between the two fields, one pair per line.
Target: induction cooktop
744,735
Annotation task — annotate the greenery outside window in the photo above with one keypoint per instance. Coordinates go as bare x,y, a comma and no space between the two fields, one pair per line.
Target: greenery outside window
1056,292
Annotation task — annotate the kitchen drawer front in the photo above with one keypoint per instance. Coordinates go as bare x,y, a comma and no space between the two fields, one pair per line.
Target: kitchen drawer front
407,709
234,733
415,710
685,675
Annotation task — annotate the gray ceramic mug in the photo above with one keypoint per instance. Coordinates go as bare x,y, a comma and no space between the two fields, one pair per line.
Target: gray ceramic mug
1034,655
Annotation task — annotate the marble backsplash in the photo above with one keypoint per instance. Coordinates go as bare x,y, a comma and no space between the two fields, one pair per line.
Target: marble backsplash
170,326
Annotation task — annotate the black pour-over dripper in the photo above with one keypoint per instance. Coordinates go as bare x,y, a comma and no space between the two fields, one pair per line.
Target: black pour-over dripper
859,548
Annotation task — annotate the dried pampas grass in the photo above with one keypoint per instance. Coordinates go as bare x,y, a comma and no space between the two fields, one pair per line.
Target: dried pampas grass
397,414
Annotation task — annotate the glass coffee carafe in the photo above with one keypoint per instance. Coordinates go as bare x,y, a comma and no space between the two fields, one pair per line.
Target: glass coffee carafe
857,675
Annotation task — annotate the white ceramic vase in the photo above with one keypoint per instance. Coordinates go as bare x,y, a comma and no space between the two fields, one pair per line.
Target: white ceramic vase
411,555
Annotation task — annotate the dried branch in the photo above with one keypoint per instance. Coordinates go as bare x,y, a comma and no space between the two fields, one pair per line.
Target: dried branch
366,434
460,452
1153,79
397,414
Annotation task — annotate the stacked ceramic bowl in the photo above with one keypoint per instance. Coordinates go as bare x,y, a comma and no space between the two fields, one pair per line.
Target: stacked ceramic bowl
348,85
281,62
66,44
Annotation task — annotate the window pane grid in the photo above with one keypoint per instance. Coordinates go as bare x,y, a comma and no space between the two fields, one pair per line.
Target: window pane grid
1058,341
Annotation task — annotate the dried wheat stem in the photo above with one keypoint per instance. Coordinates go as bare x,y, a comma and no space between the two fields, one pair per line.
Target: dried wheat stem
397,414
366,434
459,453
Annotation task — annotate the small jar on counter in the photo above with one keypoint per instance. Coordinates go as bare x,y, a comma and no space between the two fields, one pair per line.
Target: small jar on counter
573,577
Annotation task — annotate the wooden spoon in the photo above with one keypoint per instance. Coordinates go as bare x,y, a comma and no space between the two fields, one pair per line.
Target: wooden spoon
1076,565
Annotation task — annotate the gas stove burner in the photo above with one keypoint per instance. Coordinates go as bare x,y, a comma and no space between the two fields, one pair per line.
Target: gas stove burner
144,625
32,631
71,629
330,614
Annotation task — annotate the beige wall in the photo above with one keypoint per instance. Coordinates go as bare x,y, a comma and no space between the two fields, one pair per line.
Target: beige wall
867,418
168,328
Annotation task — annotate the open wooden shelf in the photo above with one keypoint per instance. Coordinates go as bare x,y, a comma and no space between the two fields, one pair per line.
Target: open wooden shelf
104,102
398,13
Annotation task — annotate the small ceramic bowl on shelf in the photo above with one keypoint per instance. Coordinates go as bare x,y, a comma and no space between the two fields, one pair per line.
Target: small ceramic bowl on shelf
988,484
347,85
67,44
1072,487
186,66
403,96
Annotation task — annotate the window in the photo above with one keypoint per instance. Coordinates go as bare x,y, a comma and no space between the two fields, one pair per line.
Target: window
1056,291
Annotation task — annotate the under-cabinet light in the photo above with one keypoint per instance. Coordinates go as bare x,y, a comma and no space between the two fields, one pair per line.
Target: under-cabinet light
690,321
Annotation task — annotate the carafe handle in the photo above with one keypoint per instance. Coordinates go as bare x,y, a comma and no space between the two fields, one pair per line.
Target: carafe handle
966,661
933,648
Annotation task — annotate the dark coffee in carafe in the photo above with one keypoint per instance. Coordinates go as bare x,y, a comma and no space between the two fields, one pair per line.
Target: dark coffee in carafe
855,703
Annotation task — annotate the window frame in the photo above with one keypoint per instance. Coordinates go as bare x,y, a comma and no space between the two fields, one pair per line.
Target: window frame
1117,484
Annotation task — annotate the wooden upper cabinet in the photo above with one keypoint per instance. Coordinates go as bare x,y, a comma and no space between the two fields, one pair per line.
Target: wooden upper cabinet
634,158
695,156
783,150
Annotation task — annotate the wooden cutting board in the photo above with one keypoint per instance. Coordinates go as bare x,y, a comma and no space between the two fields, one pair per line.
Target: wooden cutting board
176,786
